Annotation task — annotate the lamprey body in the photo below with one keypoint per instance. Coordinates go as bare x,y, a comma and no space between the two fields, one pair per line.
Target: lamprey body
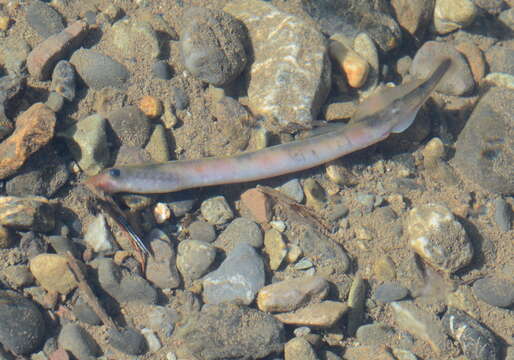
390,111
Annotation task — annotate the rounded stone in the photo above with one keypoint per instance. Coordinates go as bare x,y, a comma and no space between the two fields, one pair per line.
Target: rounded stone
203,231
391,291
194,258
53,273
216,210
450,15
131,125
44,19
495,291
161,70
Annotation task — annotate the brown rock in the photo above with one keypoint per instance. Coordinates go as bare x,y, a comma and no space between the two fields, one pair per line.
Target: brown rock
258,204
44,56
27,213
354,66
475,59
324,314
368,352
53,273
34,128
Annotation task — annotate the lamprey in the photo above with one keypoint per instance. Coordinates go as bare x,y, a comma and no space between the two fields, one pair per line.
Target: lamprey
390,111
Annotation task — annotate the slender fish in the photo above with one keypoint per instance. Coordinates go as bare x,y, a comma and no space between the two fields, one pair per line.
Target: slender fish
391,111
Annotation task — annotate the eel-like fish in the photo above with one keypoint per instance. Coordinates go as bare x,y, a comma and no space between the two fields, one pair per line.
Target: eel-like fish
390,111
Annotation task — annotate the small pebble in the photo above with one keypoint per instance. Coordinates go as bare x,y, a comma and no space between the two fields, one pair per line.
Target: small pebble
128,341
161,70
161,213
216,210
322,315
157,145
63,80
131,125
161,268
97,235
375,334
315,195
78,342
257,204
151,106
391,291
53,273
450,15
55,101
275,247
353,65
5,21
299,348
293,189
180,98
238,231
502,214
495,291
194,258
356,302
154,344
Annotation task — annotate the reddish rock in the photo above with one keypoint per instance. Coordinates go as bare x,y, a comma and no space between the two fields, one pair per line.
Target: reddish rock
475,59
257,204
34,128
59,354
44,56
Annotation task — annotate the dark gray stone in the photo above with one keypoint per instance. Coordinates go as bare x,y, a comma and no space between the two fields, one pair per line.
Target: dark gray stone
131,125
78,342
495,291
161,268
44,19
502,214
180,98
128,341
161,70
391,291
85,313
63,80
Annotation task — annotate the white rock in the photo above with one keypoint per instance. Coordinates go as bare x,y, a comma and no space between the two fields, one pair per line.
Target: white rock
98,237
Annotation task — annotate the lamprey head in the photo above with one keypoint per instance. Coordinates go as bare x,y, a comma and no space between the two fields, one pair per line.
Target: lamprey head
108,181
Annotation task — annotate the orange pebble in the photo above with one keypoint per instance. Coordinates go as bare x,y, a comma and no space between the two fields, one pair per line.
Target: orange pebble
151,106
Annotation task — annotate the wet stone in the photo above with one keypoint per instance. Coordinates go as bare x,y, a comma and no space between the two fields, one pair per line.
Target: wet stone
450,15
240,230
414,16
157,145
322,315
63,80
17,276
78,342
476,341
275,247
27,213
238,278
131,125
216,210
152,340
213,45
85,313
500,59
299,348
257,205
128,341
289,295
203,231
44,19
495,291
290,75
131,35
228,332
389,292
161,268
23,327
194,258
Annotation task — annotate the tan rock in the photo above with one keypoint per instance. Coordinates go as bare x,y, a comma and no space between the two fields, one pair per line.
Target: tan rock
257,204
34,128
368,352
339,110
275,247
324,314
52,272
354,66
299,348
289,295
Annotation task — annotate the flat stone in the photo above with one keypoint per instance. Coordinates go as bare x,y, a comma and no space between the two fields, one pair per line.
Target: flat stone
289,295
290,74
34,129
53,273
495,291
376,334
238,278
128,341
323,315
391,291
27,213
45,55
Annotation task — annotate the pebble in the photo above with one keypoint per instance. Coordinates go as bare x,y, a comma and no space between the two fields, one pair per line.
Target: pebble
384,269
87,141
98,70
483,151
367,352
292,189
131,125
366,48
376,334
53,273
289,295
414,16
154,344
502,214
5,21
41,60
63,80
421,324
44,173
299,348
321,315
275,247
315,195
151,106
194,258
436,236
351,64
339,110
161,213
85,313
507,18
97,236
14,52
212,44
229,332
78,342
157,145
257,204
44,19
390,291
475,59
128,341
238,278
27,213
54,101
476,341
131,35
495,291
459,79
324,252
161,70
450,15
183,204
17,276
240,230
161,268
500,79
356,304
180,98
34,129
290,75
162,319
23,327
339,174
203,231
216,210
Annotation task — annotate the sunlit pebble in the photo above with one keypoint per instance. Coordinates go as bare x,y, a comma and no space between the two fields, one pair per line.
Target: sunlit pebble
151,106
120,256
161,213
74,167
4,23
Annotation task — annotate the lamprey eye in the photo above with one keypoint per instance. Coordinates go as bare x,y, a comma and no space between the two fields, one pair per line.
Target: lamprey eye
115,173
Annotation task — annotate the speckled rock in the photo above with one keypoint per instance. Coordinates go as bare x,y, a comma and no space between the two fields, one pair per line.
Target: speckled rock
450,15
457,81
290,75
495,291
131,125
99,70
44,19
500,59
161,268
203,231
78,342
435,235
13,54
27,213
130,35
216,210
238,231
213,45
34,129
63,80
275,247
323,315
238,278
23,327
476,341
484,152
53,273
299,348
228,332
289,295
194,258
87,141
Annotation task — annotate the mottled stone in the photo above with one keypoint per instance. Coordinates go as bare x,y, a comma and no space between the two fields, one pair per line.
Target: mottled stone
290,74
203,231
216,210
34,129
238,231
27,213
78,342
194,258
131,35
53,273
495,291
275,247
131,125
299,348
450,15
44,19
63,80
289,295
323,315
161,268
